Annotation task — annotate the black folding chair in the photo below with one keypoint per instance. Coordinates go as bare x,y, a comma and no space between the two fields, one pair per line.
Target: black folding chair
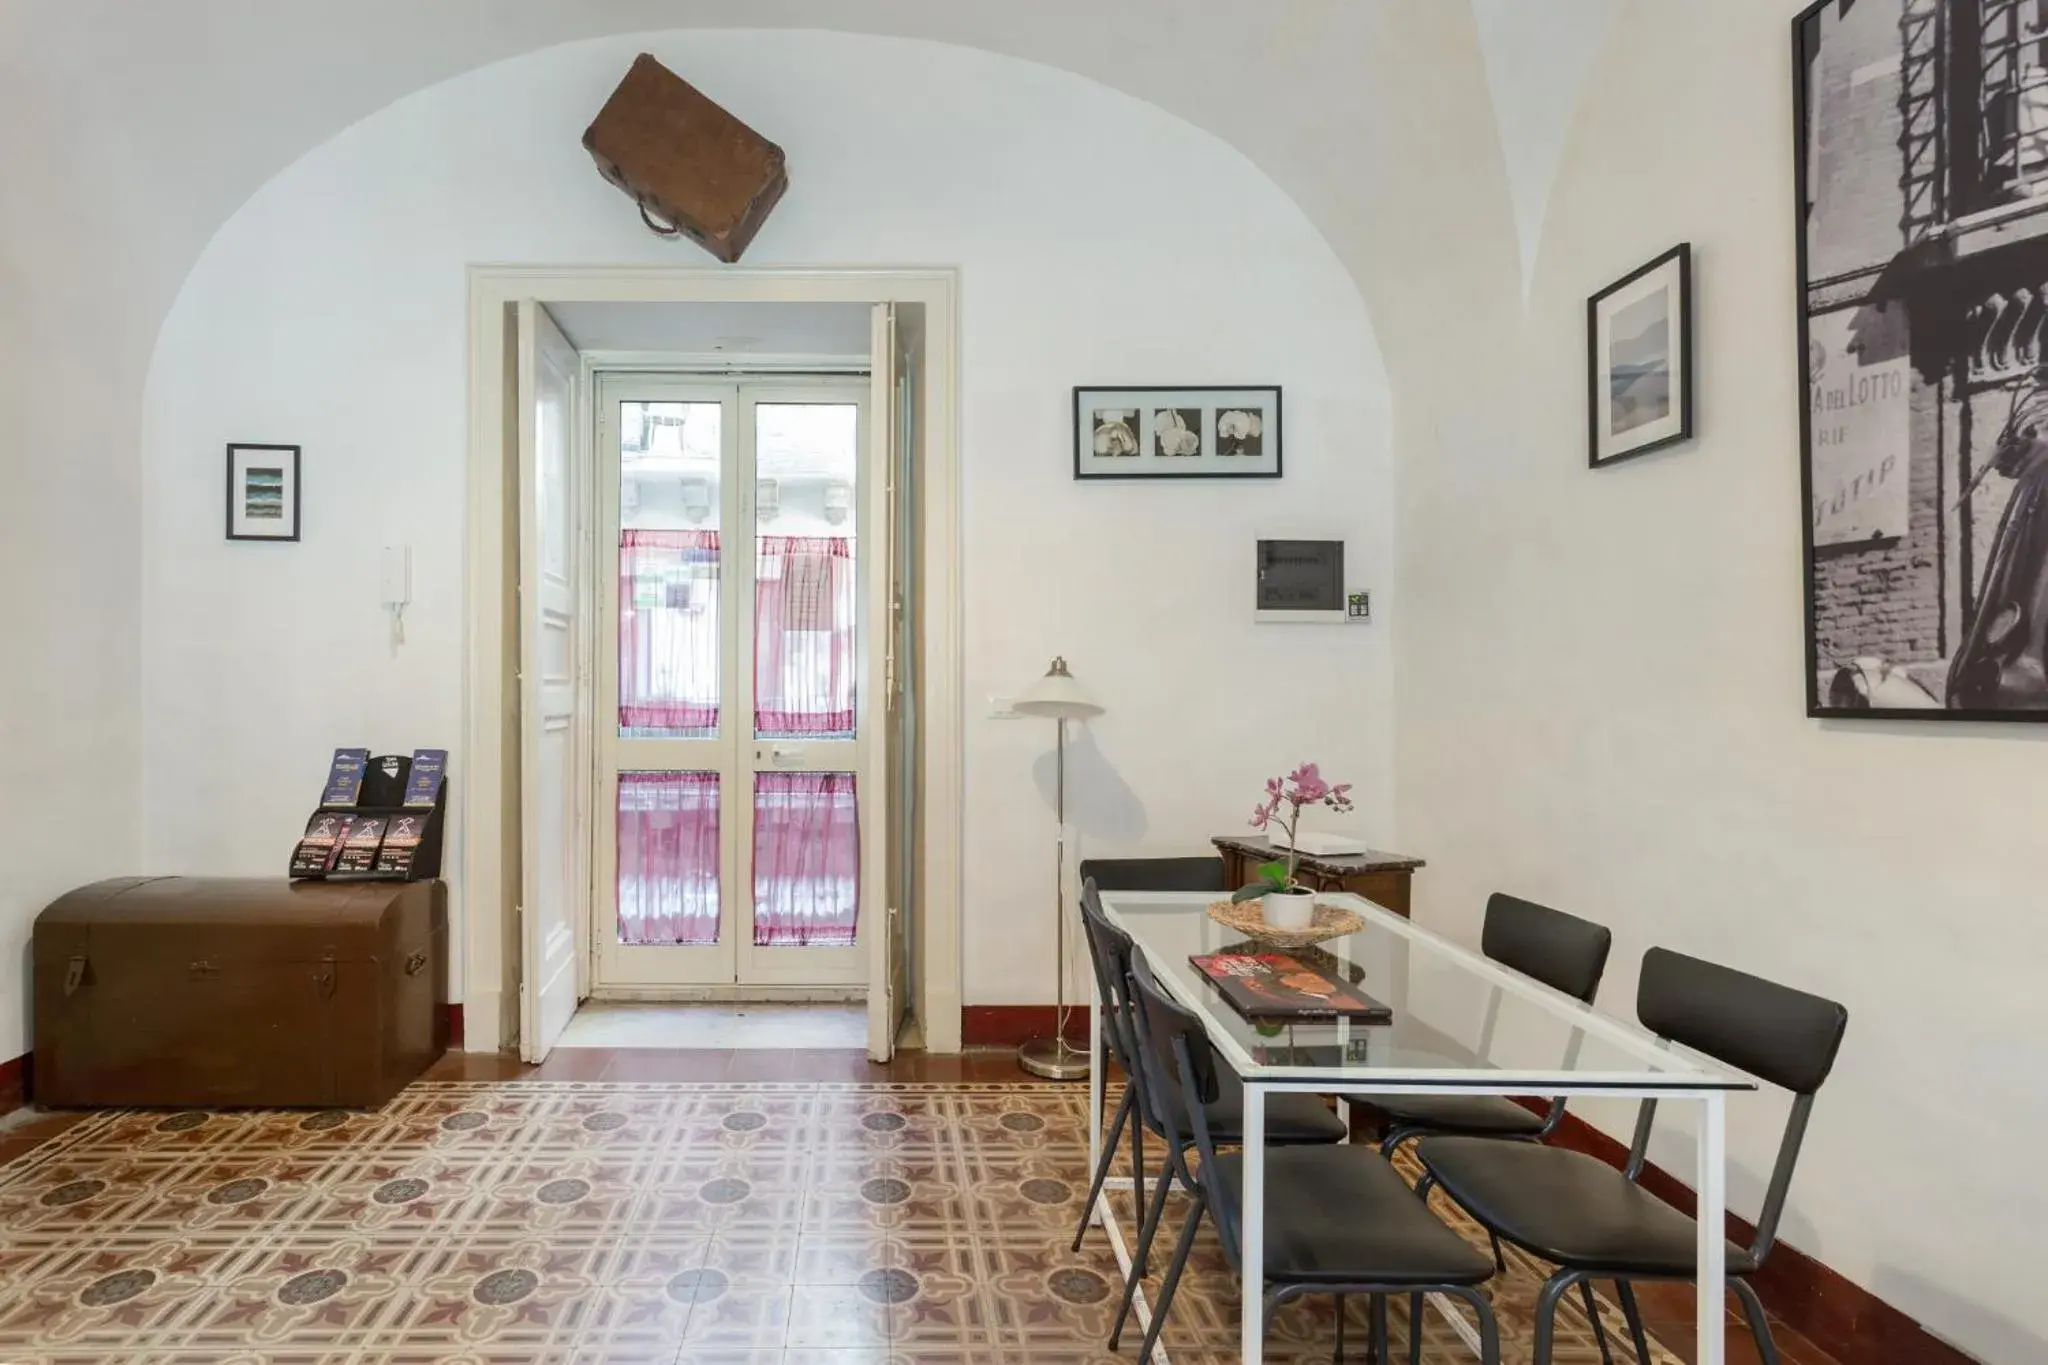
1563,952
1594,1222
1154,874
1299,1119
1338,1219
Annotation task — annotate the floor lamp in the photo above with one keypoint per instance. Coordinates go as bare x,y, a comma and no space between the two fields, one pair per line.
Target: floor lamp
1059,696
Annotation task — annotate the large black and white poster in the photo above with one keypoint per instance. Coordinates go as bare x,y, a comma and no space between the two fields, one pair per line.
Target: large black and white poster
1922,155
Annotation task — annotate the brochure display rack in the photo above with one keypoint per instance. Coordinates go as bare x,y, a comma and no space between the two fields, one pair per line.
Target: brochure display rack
379,819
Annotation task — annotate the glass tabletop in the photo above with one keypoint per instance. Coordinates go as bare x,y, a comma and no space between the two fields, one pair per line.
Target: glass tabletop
1459,1019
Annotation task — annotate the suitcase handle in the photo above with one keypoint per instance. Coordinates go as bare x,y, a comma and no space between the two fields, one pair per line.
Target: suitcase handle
658,229
415,964
74,974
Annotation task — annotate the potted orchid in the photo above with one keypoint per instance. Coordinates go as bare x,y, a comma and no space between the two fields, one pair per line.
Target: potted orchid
1287,903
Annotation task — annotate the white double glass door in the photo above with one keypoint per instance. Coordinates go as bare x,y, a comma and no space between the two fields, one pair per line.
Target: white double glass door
735,677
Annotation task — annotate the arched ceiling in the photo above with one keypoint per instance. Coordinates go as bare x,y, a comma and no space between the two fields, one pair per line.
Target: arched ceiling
132,131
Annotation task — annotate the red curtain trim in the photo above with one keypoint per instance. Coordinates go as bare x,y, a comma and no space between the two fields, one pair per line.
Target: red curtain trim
786,724
668,540
668,717
836,547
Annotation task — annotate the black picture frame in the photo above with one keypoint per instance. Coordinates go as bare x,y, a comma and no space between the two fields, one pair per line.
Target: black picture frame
1919,280
237,497
1149,466
1599,394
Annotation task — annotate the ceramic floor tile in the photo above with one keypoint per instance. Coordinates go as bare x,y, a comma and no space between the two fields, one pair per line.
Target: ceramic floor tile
518,1218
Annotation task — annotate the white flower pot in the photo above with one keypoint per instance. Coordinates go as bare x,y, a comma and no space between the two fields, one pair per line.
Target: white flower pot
1290,909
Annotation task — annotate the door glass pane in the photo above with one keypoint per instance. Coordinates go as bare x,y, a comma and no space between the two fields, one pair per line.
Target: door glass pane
668,570
807,457
806,860
668,858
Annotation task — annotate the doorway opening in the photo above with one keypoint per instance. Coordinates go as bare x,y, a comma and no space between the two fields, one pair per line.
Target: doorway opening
731,657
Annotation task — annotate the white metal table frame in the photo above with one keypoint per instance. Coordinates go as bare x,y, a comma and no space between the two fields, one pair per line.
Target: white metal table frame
1674,1076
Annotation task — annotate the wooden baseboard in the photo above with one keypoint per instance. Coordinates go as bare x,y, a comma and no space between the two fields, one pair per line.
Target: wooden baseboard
14,1083
1841,1317
1010,1025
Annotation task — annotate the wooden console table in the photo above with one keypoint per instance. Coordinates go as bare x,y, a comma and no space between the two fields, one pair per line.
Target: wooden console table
1381,878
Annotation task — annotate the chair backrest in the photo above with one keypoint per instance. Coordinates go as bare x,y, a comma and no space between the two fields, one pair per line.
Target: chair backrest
1562,951
1180,1077
1109,951
1775,1033
1155,874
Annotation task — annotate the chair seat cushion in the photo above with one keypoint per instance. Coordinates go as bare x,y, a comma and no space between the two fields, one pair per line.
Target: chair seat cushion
1290,1118
1567,1207
1479,1115
1342,1215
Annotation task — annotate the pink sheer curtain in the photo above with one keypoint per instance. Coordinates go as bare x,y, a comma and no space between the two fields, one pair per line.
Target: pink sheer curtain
668,858
668,634
803,636
806,860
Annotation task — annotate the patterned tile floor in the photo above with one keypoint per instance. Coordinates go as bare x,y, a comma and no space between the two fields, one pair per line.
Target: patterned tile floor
530,1220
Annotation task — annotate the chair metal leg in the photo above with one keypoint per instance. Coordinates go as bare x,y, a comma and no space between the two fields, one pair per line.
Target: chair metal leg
1415,1311
1500,1260
1593,1316
1546,1314
1116,1134
1171,1282
1627,1294
1380,1350
1424,1185
1138,1254
1759,1323
1144,1263
1395,1137
1489,1329
1337,1351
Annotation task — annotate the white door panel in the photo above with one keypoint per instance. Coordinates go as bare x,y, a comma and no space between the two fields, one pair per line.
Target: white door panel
553,871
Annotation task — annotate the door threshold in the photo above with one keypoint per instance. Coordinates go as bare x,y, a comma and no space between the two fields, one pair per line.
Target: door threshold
732,994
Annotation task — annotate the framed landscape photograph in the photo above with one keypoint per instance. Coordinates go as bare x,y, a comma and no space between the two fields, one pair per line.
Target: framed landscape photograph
1177,433
1639,360
1920,153
263,492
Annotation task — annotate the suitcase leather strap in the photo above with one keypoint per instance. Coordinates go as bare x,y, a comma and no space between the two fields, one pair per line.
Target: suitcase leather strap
74,974
658,229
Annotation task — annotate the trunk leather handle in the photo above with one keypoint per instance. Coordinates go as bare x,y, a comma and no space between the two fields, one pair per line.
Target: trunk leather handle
74,974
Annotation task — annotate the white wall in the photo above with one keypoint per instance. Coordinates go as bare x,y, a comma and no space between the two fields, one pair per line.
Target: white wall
69,642
1099,240
1601,696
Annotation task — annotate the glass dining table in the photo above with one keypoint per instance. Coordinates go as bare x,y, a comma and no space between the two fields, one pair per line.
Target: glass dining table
1461,1024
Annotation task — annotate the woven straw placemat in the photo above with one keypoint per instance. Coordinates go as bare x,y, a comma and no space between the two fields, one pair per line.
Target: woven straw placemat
1247,918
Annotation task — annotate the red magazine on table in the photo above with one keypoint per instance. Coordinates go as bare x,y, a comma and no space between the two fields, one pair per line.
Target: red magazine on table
1276,986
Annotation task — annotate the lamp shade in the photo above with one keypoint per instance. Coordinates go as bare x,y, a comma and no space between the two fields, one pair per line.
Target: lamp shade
1057,695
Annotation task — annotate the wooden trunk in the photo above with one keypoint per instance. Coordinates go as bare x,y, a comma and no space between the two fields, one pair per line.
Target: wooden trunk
692,167
190,991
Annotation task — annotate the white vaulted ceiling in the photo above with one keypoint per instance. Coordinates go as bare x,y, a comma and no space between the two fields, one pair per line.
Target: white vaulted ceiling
132,130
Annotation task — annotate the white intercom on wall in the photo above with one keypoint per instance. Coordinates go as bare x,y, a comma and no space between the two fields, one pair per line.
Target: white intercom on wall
396,591
1302,581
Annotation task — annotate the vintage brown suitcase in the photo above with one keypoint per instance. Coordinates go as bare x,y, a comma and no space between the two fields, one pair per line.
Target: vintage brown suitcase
692,167
200,991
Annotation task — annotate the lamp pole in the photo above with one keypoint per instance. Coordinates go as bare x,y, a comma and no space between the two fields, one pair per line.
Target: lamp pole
1059,696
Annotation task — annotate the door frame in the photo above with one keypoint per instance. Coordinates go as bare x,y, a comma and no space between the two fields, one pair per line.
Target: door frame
487,802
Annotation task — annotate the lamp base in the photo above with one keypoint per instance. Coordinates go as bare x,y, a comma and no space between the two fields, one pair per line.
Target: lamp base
1055,1059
